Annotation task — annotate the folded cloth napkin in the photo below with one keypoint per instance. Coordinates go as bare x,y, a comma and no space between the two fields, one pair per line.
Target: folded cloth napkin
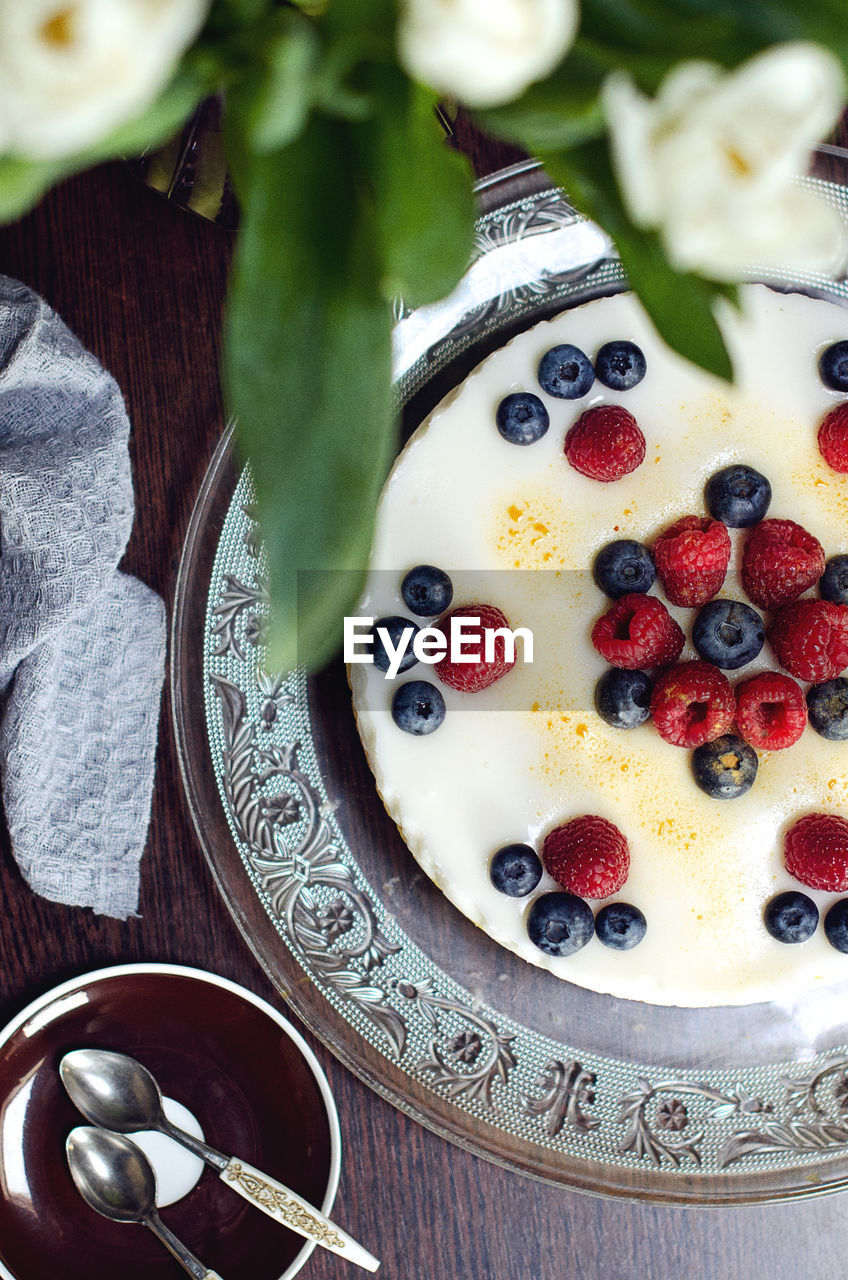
82,646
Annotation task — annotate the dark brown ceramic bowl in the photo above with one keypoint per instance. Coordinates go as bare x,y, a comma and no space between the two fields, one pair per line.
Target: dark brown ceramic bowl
245,1073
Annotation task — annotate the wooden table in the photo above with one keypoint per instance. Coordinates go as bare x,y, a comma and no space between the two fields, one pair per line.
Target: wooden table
142,284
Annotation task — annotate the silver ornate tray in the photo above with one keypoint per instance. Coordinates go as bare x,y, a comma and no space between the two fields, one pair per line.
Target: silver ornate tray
616,1097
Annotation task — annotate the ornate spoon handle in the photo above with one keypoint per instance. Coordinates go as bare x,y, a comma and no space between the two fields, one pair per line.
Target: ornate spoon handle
273,1198
286,1207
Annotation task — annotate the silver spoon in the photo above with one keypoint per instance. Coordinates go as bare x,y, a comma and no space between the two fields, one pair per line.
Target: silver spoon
114,1177
113,1090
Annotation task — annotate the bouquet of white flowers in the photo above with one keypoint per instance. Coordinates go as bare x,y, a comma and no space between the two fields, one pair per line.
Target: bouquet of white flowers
678,125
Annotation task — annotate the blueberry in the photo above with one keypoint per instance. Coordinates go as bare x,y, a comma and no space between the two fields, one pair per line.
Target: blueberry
725,768
833,366
620,926
418,707
833,584
728,633
827,708
566,372
560,923
395,626
620,365
623,698
739,496
522,418
836,925
623,566
515,870
426,590
791,917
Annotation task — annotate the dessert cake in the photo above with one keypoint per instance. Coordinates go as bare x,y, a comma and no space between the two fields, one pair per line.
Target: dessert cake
630,809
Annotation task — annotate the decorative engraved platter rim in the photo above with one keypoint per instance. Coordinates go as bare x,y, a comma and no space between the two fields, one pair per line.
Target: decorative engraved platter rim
607,1125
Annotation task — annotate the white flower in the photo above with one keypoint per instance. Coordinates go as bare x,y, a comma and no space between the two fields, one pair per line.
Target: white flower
71,71
484,52
711,161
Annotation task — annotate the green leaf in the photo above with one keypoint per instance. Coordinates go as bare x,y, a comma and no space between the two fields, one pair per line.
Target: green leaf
315,8
227,14
335,92
730,292
370,21
24,182
648,37
556,112
680,304
308,371
670,30
282,96
648,68
768,22
358,37
423,200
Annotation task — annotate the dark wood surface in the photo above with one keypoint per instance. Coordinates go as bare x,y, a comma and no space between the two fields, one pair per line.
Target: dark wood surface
143,285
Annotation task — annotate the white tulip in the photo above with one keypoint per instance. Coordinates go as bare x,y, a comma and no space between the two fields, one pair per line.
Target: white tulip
71,71
484,52
711,161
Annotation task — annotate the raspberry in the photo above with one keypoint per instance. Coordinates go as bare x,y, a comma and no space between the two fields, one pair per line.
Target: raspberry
588,856
779,562
833,438
638,632
692,556
692,703
771,711
605,443
810,638
816,852
470,677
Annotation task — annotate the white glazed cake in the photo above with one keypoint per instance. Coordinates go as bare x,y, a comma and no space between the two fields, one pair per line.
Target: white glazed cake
513,761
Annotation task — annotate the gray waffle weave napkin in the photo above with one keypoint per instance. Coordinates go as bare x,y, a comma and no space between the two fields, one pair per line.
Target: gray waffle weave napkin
82,646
